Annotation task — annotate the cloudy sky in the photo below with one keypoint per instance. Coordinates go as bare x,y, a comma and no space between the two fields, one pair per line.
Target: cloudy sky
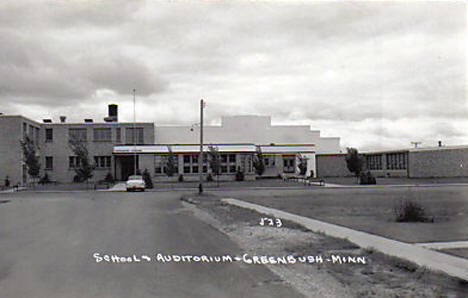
376,74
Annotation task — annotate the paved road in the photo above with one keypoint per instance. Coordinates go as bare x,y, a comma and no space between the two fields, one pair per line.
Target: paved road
47,242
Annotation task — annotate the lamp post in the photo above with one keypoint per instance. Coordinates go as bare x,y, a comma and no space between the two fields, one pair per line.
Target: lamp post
134,136
200,158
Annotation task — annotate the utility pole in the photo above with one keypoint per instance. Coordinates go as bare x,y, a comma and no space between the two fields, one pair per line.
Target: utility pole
200,158
134,136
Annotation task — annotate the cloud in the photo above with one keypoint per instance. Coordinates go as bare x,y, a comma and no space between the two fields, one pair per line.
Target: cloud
369,65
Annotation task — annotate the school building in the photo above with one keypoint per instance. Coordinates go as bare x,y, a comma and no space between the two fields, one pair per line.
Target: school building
121,147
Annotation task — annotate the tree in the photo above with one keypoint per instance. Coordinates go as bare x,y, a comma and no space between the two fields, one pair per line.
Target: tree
147,179
302,165
170,163
83,167
259,162
30,158
214,161
354,161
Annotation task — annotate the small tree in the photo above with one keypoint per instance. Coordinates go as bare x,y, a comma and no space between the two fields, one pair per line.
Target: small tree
302,165
170,163
83,169
147,179
30,158
109,178
214,161
259,162
239,174
7,181
354,161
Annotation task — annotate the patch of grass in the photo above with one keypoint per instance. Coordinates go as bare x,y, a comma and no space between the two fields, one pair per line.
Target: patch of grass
410,211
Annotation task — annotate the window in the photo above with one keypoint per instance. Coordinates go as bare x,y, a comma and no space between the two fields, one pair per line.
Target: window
160,163
232,169
102,134
224,157
374,162
396,161
102,162
36,135
49,162
79,134
289,163
191,163
49,135
25,129
129,135
73,162
31,132
232,158
118,135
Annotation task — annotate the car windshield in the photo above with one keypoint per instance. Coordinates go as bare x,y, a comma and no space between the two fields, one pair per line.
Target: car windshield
135,177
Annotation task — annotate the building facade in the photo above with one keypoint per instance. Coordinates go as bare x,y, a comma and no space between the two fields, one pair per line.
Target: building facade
432,162
120,148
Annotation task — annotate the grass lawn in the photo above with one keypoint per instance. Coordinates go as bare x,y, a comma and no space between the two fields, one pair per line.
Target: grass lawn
372,209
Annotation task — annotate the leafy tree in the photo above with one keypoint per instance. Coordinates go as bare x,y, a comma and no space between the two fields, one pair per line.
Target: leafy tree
214,161
170,163
147,179
30,158
259,162
302,165
84,168
354,161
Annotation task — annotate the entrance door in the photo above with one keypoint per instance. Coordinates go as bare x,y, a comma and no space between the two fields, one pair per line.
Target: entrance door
127,166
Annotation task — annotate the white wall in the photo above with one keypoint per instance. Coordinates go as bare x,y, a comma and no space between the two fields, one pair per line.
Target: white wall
248,129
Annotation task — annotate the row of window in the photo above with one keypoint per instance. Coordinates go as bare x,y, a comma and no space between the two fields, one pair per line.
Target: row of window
395,161
101,162
101,135
190,163
32,133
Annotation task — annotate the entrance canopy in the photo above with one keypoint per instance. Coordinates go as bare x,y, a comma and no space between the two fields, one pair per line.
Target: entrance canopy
232,148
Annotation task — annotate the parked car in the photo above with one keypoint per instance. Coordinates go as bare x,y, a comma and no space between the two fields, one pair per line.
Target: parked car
135,182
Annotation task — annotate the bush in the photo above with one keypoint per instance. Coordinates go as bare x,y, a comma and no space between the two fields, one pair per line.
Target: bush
77,179
410,211
209,177
147,179
45,179
239,175
109,178
7,181
367,178
181,178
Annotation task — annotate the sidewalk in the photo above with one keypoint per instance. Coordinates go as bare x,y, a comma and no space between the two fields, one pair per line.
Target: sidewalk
433,260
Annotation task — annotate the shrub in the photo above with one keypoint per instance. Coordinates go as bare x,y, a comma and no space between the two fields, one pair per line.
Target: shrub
209,177
109,178
181,178
45,179
367,178
7,181
77,179
239,175
410,211
147,179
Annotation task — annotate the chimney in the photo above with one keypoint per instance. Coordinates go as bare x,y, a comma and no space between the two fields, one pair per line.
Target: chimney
87,120
63,119
47,120
112,114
